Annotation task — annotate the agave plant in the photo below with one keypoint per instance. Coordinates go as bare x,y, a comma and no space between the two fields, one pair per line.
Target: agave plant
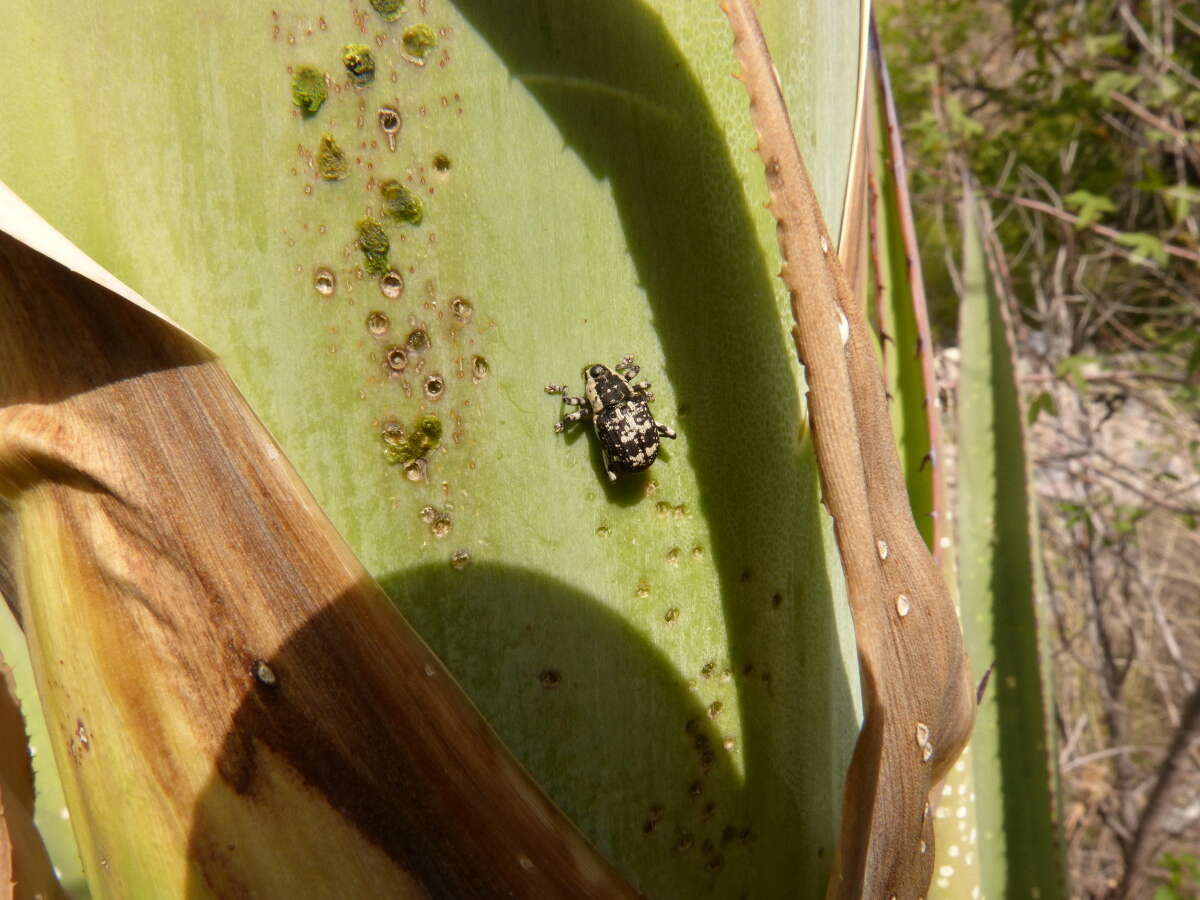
390,228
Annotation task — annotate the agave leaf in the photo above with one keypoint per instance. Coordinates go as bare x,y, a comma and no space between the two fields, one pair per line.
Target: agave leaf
902,314
669,657
918,704
50,816
1018,838
236,707
49,828
25,868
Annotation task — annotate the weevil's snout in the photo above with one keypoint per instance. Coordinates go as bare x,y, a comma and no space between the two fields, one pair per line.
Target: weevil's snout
595,371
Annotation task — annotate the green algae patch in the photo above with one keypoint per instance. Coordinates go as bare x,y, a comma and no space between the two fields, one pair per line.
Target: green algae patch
407,447
331,160
374,243
419,40
359,63
308,89
389,10
401,203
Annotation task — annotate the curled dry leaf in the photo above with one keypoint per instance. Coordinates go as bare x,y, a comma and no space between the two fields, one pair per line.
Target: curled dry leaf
236,707
917,691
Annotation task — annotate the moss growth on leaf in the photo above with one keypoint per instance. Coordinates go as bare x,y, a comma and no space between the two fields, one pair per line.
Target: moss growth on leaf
417,444
308,90
374,243
331,160
359,63
401,203
419,40
390,10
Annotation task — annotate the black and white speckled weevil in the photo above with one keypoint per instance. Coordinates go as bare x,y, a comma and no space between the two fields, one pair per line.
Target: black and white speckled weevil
620,411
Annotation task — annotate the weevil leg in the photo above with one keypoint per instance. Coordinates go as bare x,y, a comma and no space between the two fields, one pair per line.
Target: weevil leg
628,367
573,401
612,476
643,386
572,418
665,431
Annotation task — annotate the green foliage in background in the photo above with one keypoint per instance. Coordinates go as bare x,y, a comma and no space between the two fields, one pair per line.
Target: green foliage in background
1088,108
1182,878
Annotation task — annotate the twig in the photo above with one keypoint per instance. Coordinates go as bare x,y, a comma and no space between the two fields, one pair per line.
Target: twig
1103,230
1106,753
1135,28
1141,848
1148,117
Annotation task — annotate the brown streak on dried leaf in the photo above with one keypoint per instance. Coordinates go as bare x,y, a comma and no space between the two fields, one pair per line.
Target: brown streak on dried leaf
913,670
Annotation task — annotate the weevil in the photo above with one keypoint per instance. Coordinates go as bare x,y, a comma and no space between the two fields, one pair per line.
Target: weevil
619,408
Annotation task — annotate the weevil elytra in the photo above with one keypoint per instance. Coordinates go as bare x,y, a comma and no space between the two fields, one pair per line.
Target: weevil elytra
619,408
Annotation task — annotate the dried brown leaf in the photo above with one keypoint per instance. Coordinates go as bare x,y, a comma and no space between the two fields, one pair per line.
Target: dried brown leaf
917,692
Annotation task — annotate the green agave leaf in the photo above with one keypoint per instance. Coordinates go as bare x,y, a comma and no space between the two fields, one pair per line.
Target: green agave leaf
669,656
51,815
1018,841
901,314
908,365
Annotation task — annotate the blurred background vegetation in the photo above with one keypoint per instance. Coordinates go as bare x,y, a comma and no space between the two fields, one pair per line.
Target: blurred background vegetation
1079,123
